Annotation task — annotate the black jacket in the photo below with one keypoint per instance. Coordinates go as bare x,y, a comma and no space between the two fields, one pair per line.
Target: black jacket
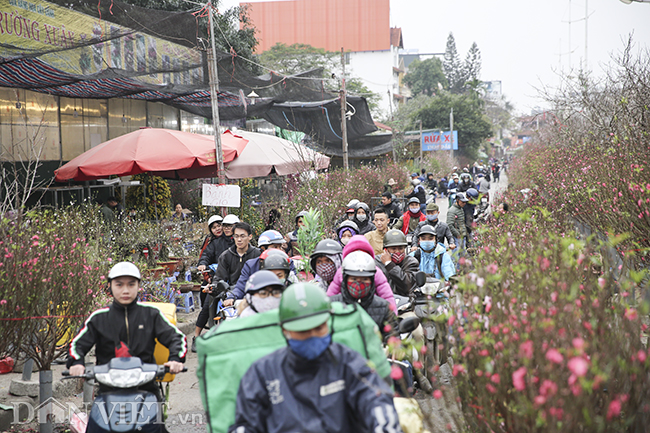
393,210
136,325
400,277
215,248
418,191
442,231
231,263
376,307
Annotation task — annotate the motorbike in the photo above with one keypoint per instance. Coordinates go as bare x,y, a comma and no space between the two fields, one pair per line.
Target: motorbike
430,300
217,293
482,210
404,386
125,407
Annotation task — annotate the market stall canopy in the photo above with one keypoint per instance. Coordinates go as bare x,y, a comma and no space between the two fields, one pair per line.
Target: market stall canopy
265,153
162,152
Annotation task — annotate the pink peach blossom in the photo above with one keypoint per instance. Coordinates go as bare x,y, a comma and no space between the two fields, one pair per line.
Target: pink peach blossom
518,378
554,356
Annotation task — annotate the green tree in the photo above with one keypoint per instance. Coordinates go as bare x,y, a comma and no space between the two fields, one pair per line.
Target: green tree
472,125
453,68
425,76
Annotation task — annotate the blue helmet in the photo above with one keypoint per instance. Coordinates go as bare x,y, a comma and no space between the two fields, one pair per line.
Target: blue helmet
270,237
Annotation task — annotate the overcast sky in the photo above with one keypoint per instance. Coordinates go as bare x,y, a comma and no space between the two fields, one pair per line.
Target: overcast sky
523,43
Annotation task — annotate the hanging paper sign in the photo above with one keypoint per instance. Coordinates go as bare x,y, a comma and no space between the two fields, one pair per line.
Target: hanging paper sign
221,195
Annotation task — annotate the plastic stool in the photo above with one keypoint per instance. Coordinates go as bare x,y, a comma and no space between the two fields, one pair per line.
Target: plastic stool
185,302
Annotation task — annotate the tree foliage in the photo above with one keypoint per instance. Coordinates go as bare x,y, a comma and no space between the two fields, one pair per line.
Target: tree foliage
472,125
462,76
424,77
296,58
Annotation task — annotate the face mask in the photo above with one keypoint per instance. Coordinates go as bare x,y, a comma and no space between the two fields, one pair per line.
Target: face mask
350,216
265,304
397,257
362,218
432,217
414,210
310,348
427,245
326,271
358,289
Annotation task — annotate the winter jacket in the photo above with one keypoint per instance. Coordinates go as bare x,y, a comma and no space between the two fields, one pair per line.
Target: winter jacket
250,267
456,221
452,185
376,240
483,186
364,227
393,210
441,228
400,277
376,307
336,392
418,191
215,248
383,289
231,263
464,186
441,267
412,223
136,325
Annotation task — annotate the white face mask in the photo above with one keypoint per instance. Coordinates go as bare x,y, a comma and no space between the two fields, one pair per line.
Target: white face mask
362,217
265,304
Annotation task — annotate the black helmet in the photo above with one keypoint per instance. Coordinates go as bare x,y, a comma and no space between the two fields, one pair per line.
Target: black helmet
275,259
426,230
394,238
472,193
465,176
414,200
324,247
262,279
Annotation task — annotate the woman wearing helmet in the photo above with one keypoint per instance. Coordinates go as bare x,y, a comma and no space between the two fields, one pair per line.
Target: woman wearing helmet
466,182
360,243
127,328
362,218
218,241
325,261
263,292
358,271
345,231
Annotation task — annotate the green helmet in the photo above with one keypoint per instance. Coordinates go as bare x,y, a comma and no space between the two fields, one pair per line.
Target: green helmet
394,238
303,306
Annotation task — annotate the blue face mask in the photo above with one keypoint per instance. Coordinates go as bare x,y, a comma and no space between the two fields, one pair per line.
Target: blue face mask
432,217
427,245
310,348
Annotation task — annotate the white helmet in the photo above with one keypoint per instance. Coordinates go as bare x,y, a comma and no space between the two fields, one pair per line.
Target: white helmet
124,269
214,219
230,219
415,182
353,203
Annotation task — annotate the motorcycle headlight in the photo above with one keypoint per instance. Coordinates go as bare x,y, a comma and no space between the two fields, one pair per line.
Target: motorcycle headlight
130,378
431,289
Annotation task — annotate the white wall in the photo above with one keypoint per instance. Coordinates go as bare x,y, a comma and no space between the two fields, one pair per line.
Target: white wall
375,69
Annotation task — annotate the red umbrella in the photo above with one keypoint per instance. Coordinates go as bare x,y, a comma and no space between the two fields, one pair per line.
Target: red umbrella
161,152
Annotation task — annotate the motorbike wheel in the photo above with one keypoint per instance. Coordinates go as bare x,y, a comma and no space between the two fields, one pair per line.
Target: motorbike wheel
212,311
432,359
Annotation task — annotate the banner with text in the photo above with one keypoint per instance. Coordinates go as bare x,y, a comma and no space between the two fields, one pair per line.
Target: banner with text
433,141
221,195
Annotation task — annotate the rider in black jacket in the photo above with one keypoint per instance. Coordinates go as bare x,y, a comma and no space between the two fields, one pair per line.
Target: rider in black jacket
126,328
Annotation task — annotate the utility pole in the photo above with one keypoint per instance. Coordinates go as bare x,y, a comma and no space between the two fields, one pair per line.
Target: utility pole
344,126
420,143
214,92
451,132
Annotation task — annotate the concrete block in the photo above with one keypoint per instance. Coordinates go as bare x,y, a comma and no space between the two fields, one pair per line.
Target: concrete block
20,363
23,388
66,388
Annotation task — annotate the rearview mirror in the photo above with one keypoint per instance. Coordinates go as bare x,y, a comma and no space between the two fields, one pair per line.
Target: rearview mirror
420,278
408,324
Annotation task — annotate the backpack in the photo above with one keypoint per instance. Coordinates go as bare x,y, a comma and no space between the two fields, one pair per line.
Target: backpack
226,352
